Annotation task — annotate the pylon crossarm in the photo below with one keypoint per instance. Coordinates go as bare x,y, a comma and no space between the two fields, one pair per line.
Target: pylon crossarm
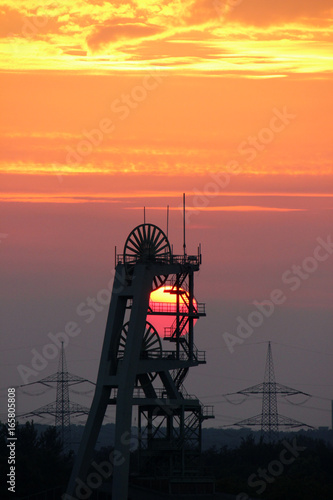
291,422
261,388
50,409
282,422
53,379
43,382
256,420
76,408
289,391
254,389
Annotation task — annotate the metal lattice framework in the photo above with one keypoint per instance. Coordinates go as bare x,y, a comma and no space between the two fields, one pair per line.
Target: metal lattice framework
136,371
62,409
170,441
62,417
270,420
269,414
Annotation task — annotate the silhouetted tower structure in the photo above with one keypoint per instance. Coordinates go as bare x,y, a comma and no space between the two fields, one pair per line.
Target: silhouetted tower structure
269,413
135,370
63,418
269,419
62,408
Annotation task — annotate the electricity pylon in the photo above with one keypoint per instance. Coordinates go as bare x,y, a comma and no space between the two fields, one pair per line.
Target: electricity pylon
61,409
269,419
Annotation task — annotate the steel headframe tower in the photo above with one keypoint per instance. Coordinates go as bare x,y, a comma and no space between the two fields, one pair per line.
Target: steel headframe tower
270,420
62,408
136,371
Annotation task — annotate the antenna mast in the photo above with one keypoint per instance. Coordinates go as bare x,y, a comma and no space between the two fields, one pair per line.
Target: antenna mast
184,244
167,233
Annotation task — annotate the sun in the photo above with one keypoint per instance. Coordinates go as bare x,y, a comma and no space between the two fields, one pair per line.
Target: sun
164,299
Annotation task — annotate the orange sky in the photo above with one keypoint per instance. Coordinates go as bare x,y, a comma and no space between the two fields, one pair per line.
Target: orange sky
168,88
109,106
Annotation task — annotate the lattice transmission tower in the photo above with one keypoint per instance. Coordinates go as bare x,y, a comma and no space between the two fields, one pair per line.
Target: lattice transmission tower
62,408
270,420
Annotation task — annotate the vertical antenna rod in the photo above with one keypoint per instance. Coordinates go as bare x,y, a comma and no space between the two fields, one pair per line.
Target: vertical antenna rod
184,244
144,215
167,221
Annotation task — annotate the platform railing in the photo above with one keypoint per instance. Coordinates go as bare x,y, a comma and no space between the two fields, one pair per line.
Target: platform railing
165,307
198,309
207,411
161,394
163,259
170,355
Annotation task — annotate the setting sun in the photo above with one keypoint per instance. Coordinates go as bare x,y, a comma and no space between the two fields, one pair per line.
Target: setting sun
164,300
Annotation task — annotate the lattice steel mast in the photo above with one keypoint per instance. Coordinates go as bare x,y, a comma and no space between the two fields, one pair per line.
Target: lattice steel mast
62,418
62,408
270,420
269,413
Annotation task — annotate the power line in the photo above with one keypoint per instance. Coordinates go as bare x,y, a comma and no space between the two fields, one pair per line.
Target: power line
269,419
62,408
303,348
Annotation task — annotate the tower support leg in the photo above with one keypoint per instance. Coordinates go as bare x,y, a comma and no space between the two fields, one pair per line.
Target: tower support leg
91,431
127,376
120,374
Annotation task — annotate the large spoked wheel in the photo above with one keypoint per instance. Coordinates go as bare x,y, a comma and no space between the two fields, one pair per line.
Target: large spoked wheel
147,243
151,343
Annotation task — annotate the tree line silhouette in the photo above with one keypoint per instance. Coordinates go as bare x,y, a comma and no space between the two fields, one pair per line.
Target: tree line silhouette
294,468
